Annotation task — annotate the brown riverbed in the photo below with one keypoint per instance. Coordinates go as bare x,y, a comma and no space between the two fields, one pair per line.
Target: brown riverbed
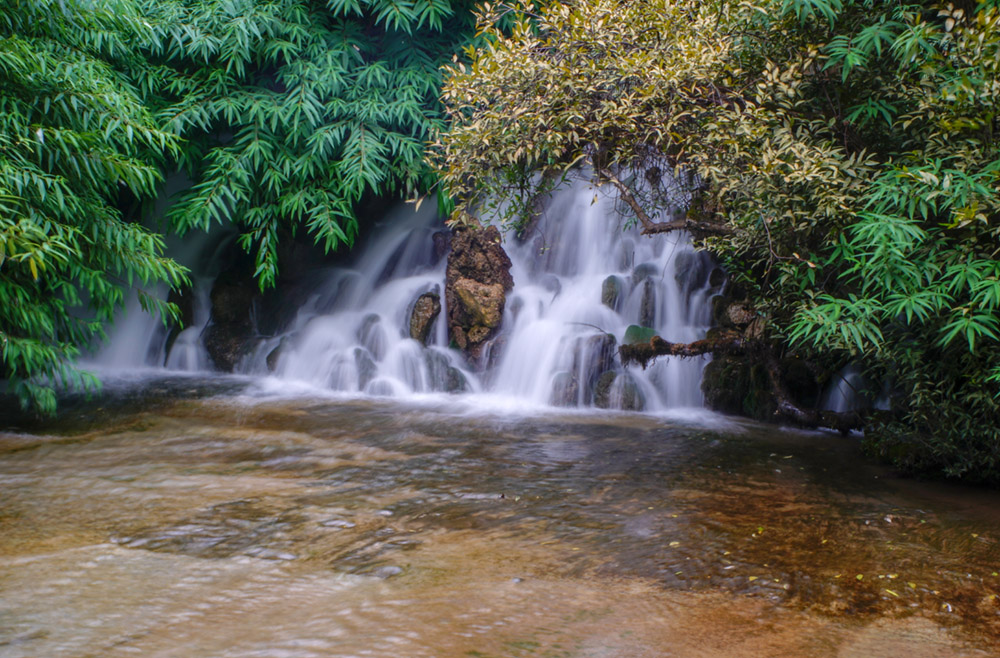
235,525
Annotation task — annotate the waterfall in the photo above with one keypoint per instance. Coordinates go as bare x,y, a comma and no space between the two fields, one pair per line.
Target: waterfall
140,340
352,334
580,281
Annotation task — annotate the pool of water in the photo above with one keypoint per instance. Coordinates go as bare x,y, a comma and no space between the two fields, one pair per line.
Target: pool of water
193,517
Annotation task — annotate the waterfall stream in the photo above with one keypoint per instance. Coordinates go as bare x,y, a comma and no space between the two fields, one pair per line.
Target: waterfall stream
580,280
140,340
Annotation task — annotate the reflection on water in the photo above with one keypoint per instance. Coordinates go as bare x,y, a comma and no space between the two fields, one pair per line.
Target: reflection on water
242,526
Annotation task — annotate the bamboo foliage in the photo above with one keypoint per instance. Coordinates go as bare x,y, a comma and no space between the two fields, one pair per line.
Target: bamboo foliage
74,136
286,114
295,110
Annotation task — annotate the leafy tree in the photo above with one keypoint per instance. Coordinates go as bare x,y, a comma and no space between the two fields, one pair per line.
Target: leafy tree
294,110
74,137
841,155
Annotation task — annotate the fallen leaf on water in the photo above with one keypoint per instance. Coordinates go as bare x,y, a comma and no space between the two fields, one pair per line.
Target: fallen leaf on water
860,576
893,593
752,578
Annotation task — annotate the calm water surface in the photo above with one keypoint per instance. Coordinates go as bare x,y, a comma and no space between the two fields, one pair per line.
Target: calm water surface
191,518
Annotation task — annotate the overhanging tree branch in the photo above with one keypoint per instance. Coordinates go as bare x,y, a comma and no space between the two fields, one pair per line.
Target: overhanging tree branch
650,227
732,342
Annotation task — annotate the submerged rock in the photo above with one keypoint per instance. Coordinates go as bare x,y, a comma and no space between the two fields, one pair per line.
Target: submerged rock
367,370
691,270
645,271
595,354
444,376
626,394
371,335
602,389
647,304
618,390
274,356
565,390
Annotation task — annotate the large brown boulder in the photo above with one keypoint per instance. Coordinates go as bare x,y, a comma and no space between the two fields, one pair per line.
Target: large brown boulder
476,286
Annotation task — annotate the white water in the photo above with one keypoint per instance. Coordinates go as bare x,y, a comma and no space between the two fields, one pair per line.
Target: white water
139,340
558,342
352,335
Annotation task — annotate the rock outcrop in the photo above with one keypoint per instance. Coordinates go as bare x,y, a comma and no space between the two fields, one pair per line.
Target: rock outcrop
230,334
476,286
425,311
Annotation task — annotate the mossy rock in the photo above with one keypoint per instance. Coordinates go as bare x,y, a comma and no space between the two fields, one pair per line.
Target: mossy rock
735,385
612,290
636,335
602,389
565,390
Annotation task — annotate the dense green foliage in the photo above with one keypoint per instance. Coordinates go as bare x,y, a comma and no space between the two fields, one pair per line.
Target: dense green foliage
74,136
850,150
293,110
285,113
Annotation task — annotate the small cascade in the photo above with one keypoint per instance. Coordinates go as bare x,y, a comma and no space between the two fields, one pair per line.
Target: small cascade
847,391
580,282
354,334
187,352
140,340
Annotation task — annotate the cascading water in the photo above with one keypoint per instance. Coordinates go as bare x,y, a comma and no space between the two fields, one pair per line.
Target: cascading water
139,340
579,282
353,333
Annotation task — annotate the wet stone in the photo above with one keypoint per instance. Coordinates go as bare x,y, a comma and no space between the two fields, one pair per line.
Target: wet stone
337,523
612,292
387,571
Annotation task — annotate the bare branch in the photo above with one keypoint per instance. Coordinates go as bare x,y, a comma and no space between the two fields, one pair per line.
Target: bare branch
650,227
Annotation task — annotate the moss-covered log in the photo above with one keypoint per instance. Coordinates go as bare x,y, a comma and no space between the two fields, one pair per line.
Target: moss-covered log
731,343
642,353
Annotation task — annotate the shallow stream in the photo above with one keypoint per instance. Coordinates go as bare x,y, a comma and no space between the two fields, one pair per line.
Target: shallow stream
209,517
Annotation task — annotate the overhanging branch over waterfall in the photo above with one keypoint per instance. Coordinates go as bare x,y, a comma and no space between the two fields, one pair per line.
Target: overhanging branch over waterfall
644,353
650,227
733,343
